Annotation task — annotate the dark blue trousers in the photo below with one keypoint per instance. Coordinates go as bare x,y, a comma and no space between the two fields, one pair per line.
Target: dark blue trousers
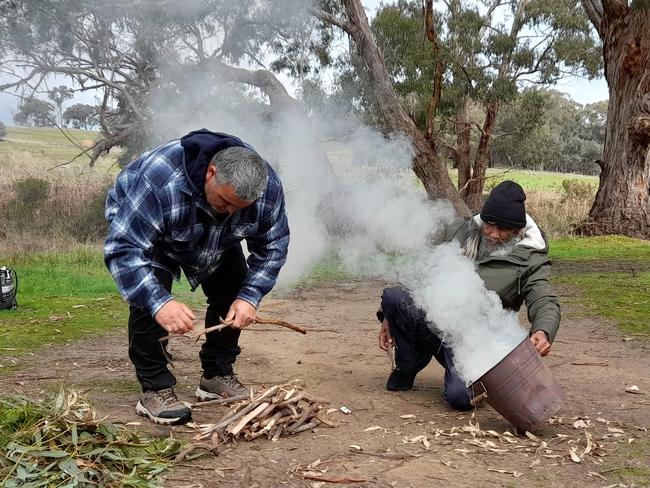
416,344
220,349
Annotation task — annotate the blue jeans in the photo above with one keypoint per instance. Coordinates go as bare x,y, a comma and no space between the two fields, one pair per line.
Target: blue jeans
416,344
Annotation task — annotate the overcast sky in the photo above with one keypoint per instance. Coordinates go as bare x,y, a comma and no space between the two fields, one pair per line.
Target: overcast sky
581,90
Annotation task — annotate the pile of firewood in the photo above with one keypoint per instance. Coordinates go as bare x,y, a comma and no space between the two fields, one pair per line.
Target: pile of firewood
280,410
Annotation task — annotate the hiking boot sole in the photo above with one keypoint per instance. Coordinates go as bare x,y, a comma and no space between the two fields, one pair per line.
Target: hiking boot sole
204,395
183,419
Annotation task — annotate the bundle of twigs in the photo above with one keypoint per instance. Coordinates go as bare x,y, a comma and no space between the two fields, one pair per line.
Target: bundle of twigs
277,411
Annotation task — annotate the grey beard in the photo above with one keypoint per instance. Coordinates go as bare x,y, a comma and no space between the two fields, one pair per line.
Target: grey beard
487,248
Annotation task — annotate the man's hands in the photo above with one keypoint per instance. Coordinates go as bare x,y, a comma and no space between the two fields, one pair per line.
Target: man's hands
241,313
385,338
175,317
540,341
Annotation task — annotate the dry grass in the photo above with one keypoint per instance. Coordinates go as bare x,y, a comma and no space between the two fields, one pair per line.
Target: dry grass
557,212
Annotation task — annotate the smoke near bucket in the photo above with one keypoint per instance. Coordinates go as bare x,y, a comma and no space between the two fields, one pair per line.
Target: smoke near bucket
8,288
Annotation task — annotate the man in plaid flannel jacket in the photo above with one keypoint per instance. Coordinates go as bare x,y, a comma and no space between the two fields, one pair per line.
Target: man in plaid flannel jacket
187,205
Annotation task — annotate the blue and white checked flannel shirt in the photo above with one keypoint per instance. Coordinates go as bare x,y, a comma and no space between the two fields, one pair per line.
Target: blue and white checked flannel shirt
149,211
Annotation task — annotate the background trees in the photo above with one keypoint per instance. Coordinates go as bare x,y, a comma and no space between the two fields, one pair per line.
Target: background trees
547,131
33,112
81,116
449,81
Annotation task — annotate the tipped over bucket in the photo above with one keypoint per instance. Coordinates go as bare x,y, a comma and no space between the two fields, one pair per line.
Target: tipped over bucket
522,388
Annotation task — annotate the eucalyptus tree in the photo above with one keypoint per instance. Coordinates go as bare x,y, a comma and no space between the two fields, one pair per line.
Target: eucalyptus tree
444,63
622,203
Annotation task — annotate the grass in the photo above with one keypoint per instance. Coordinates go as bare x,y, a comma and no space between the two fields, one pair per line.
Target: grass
538,180
622,297
629,464
30,151
328,268
608,248
531,180
619,296
64,297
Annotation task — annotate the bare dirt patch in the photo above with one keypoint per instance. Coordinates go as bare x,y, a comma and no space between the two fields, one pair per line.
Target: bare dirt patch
339,360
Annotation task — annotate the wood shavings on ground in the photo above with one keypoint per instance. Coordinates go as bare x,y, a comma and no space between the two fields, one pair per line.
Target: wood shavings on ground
275,412
592,441
315,472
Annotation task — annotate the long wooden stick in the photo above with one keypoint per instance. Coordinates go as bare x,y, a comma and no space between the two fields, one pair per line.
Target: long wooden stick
258,320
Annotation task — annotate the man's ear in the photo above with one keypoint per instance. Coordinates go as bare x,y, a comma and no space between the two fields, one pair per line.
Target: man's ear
212,170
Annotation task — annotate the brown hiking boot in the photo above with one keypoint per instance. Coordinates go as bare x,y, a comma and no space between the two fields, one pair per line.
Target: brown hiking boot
219,387
163,407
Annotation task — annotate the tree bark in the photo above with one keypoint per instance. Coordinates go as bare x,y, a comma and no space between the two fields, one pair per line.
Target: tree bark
622,203
473,195
463,148
426,163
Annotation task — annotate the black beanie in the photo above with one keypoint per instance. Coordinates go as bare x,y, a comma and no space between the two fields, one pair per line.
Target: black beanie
505,206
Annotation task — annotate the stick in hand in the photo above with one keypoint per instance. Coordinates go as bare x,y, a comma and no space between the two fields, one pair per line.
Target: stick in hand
258,320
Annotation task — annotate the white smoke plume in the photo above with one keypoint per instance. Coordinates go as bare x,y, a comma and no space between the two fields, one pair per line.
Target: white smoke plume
367,206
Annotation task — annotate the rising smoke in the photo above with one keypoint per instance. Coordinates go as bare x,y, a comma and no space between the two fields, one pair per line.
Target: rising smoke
358,198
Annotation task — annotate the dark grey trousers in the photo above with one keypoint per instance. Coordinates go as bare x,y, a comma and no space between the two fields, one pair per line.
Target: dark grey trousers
416,344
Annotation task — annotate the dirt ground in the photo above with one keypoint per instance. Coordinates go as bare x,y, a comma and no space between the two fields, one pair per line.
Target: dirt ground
339,360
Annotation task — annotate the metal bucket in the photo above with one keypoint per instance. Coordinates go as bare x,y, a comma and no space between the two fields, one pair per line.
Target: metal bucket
522,388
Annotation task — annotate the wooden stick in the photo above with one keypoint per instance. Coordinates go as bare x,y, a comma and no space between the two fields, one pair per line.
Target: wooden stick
328,479
235,428
238,415
224,401
302,428
281,323
223,324
307,414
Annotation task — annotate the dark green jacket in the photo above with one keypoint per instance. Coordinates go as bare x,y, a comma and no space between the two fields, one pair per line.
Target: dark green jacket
519,277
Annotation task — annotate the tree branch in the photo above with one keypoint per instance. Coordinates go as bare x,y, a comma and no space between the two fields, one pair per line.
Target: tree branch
594,10
328,18
439,69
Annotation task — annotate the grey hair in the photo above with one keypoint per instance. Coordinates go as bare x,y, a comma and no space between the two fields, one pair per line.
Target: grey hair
243,169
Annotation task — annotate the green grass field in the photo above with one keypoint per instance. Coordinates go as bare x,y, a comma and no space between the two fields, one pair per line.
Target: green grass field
537,180
62,297
611,248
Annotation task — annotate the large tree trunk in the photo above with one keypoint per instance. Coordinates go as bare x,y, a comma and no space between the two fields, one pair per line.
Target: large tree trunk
622,204
426,164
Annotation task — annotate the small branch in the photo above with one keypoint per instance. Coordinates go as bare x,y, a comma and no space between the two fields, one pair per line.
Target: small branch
332,20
